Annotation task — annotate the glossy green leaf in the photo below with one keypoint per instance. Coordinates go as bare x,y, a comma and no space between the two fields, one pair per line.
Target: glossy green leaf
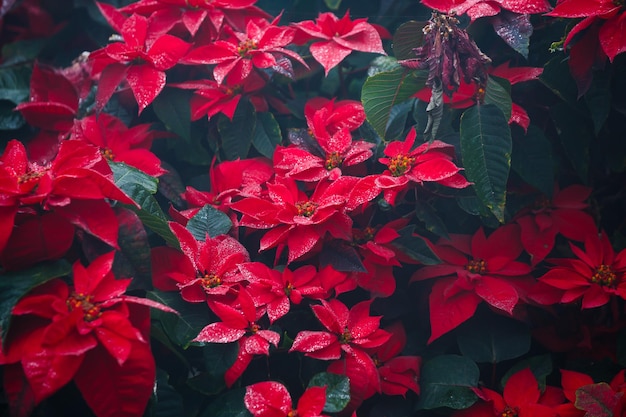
266,135
218,357
15,284
384,90
432,221
167,401
131,180
541,367
598,99
415,247
228,405
23,51
209,220
332,4
337,390
532,160
498,92
184,327
408,36
342,257
501,340
172,108
576,135
486,152
514,29
133,258
447,381
15,83
398,118
9,118
237,134
556,76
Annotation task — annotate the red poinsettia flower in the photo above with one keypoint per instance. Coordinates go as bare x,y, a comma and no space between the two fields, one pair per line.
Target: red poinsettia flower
271,399
474,269
482,8
334,38
204,269
196,15
53,100
119,143
429,162
349,330
211,98
235,57
277,290
598,36
596,275
563,214
74,185
239,324
578,386
62,333
136,57
468,94
327,146
521,397
295,220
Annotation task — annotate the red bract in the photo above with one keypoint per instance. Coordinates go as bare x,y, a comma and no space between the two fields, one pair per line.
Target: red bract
119,143
481,8
239,323
595,276
474,269
276,290
564,214
72,185
235,57
136,57
330,146
429,162
297,221
334,38
350,331
521,397
63,333
271,399
203,270
193,14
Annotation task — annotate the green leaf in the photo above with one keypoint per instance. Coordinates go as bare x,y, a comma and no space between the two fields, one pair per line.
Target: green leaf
598,99
266,135
133,259
386,89
397,119
181,329
556,76
532,160
515,29
428,215
228,405
541,367
131,180
237,134
15,83
503,339
9,118
22,51
172,108
332,4
498,92
447,381
152,217
415,247
486,152
209,220
15,284
576,135
218,357
408,36
337,390
598,400
168,402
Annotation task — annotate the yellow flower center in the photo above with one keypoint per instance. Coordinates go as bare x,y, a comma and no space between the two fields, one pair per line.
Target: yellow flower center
476,266
245,47
288,289
292,413
209,280
306,208
509,412
30,176
91,310
345,337
604,276
365,235
254,328
400,164
107,153
333,160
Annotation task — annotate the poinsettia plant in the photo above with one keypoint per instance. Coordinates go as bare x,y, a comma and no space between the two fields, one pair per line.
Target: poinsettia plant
338,208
